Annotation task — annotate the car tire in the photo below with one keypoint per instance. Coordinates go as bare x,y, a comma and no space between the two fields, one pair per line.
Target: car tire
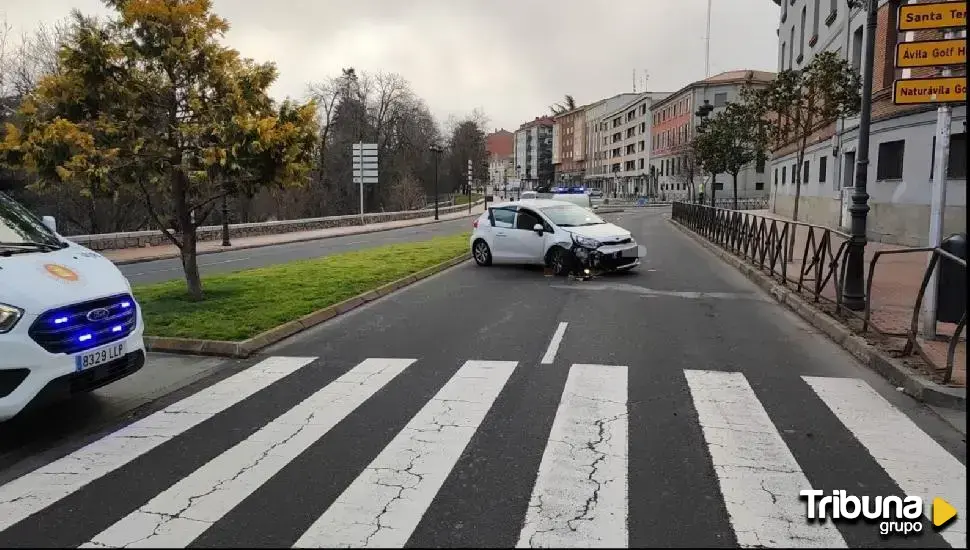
558,261
481,253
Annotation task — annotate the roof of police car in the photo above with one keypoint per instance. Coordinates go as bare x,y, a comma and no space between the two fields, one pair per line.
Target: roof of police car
534,203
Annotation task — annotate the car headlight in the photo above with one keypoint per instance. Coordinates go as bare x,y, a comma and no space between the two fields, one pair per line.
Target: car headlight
9,316
586,242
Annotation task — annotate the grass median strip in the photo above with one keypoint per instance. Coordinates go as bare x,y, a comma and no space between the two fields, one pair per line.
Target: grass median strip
243,304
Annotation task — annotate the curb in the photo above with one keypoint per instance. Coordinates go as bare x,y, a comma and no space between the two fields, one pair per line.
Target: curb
245,348
913,384
175,255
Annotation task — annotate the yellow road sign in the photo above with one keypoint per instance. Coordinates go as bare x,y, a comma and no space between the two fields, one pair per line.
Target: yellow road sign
934,15
931,53
915,91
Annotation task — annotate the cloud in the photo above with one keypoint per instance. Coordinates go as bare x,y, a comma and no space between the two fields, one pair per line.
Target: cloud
510,59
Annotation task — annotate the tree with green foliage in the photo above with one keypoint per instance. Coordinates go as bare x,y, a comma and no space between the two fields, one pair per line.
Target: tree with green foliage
800,102
153,100
708,148
736,137
568,104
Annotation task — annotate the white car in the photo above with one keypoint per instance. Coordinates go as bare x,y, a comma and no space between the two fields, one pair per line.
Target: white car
545,232
68,321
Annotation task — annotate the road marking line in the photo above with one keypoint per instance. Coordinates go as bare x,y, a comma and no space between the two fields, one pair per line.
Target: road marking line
39,489
384,505
550,355
176,517
758,475
917,463
581,492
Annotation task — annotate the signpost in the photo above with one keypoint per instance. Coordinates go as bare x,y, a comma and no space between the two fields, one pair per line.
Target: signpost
365,167
942,90
469,186
931,53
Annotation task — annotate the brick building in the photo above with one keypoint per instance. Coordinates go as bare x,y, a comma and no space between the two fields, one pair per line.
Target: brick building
674,124
569,146
902,138
500,149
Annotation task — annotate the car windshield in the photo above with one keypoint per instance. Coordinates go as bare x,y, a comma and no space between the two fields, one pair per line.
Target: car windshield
19,227
571,216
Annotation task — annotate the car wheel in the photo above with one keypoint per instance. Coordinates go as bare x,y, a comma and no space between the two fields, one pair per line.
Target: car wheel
481,253
558,262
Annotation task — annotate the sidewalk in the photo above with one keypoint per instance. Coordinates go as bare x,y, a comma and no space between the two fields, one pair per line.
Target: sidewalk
894,288
146,254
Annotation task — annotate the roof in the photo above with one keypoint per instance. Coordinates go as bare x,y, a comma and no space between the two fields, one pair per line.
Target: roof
727,77
535,203
654,97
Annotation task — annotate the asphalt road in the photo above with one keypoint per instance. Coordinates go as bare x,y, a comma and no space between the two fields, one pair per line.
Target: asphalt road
676,406
235,260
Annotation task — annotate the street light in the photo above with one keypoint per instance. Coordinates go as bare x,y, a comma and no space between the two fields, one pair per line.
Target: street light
853,288
436,149
702,112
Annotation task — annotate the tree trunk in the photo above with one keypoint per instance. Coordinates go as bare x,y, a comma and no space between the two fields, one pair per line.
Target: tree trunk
735,176
187,228
713,189
799,169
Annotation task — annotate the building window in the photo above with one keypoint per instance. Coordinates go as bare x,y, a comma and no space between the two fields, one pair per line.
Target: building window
776,177
719,185
791,50
784,176
833,12
801,41
759,166
818,8
781,64
857,49
784,11
957,163
640,164
822,167
805,174
720,99
759,186
890,161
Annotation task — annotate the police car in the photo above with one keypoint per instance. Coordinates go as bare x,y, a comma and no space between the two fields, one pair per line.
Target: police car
68,320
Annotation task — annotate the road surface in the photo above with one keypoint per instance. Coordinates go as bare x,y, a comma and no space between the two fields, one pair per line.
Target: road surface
674,406
164,270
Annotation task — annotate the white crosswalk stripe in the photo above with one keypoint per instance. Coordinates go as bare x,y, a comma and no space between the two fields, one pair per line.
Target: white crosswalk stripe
580,496
382,507
581,492
183,512
904,451
35,491
758,474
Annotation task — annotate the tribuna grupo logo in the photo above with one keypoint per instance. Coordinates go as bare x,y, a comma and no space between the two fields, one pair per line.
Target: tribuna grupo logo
895,515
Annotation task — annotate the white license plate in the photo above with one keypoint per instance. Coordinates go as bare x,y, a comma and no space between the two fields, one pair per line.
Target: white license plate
95,357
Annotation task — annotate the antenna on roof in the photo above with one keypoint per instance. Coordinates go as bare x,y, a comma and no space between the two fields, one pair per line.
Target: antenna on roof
646,78
707,46
634,81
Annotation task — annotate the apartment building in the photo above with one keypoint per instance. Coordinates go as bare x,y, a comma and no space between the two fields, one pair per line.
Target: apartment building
569,146
500,149
533,153
620,156
594,146
902,138
674,125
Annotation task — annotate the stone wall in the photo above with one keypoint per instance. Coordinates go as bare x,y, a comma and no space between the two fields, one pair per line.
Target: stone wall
132,239
900,224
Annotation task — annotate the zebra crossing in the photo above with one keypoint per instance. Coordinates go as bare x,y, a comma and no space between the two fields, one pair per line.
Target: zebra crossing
580,494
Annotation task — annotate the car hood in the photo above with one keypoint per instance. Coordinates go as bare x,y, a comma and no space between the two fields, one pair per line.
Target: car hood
38,281
601,232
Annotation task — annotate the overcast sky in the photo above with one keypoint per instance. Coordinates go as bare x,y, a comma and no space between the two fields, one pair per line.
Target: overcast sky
512,59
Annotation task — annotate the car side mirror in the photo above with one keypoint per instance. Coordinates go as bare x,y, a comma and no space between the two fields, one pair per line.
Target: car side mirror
50,223
538,228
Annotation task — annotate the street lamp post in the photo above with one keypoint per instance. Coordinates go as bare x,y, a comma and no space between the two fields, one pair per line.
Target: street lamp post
436,149
853,288
703,112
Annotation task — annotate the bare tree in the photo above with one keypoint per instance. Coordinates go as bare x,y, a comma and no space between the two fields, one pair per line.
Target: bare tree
35,57
407,194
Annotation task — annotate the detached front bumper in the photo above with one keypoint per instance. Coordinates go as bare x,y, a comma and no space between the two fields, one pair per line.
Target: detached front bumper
611,257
